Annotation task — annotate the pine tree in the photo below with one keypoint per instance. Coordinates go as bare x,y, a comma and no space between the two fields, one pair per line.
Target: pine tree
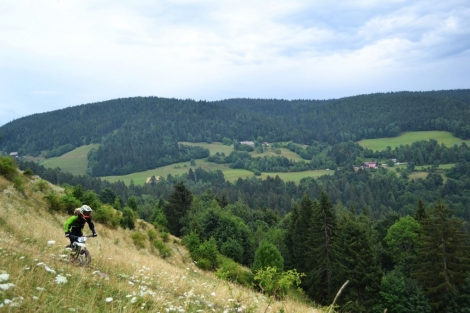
300,235
442,260
178,204
323,252
420,213
358,264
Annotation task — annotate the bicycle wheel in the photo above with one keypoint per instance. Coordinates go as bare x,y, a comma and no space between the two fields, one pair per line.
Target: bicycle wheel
84,258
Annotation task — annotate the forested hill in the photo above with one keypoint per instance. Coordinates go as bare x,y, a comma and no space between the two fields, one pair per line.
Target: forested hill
142,133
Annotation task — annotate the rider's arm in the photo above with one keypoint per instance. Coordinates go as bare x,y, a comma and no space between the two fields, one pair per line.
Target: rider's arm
91,225
69,223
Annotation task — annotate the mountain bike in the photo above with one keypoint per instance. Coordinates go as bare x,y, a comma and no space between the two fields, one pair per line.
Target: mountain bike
79,253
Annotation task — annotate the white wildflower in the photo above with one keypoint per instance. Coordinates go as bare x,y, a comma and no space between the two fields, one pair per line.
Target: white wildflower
109,299
213,294
96,273
35,298
49,270
51,242
27,268
40,263
134,300
6,286
60,279
40,288
22,257
130,283
4,277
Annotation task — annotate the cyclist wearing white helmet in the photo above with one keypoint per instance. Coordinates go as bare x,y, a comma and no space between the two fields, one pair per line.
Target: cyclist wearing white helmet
73,227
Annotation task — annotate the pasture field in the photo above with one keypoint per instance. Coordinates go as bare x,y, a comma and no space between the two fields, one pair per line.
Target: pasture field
213,147
74,161
408,138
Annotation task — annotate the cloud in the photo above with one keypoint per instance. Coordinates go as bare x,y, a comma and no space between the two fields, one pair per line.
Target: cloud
62,53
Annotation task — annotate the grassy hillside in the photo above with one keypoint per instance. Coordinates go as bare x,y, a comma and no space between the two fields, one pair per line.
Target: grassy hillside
35,276
408,138
74,161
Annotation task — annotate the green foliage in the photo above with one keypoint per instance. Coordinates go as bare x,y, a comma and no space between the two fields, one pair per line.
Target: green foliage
178,204
53,201
442,262
8,167
41,185
163,249
401,295
69,203
402,240
18,183
139,239
267,255
107,215
128,218
276,283
28,172
60,150
233,272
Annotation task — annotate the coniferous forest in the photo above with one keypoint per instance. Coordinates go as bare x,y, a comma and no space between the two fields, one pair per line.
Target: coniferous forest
402,244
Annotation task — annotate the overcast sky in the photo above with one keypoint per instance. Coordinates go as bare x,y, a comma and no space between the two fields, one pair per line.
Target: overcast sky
62,53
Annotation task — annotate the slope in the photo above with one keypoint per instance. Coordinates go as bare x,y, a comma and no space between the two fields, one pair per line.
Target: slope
35,278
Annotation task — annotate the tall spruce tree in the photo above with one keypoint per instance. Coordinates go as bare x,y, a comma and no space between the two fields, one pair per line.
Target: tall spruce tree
300,235
358,264
179,202
442,261
323,252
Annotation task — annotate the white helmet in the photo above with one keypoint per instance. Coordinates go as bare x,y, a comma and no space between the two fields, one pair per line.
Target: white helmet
85,210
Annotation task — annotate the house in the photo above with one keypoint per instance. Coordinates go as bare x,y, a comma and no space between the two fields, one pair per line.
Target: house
369,165
248,143
14,154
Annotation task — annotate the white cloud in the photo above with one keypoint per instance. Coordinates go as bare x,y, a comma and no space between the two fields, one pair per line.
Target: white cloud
62,53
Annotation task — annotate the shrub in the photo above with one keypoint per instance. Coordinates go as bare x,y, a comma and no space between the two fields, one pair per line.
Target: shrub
163,249
152,234
53,201
275,283
18,183
69,203
139,239
8,167
42,185
234,272
28,172
208,251
107,215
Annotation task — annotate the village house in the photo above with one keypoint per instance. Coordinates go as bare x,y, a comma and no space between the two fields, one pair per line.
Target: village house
14,154
248,143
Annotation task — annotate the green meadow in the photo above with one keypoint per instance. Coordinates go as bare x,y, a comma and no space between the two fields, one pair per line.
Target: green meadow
408,138
74,161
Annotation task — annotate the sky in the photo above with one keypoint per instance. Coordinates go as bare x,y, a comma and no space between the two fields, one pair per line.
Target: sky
63,53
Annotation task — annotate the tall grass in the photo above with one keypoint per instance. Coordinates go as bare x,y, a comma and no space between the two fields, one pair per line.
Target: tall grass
36,277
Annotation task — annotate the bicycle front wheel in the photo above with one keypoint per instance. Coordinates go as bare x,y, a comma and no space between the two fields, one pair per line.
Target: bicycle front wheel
84,258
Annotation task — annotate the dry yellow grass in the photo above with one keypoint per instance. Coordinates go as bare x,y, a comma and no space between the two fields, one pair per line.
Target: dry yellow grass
34,276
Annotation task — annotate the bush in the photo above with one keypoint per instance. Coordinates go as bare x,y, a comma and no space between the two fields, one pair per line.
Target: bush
8,167
42,185
28,172
208,251
163,249
107,215
69,203
152,234
233,272
18,183
139,239
54,202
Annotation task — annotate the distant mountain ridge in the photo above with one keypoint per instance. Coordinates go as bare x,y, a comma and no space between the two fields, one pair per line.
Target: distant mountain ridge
142,132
